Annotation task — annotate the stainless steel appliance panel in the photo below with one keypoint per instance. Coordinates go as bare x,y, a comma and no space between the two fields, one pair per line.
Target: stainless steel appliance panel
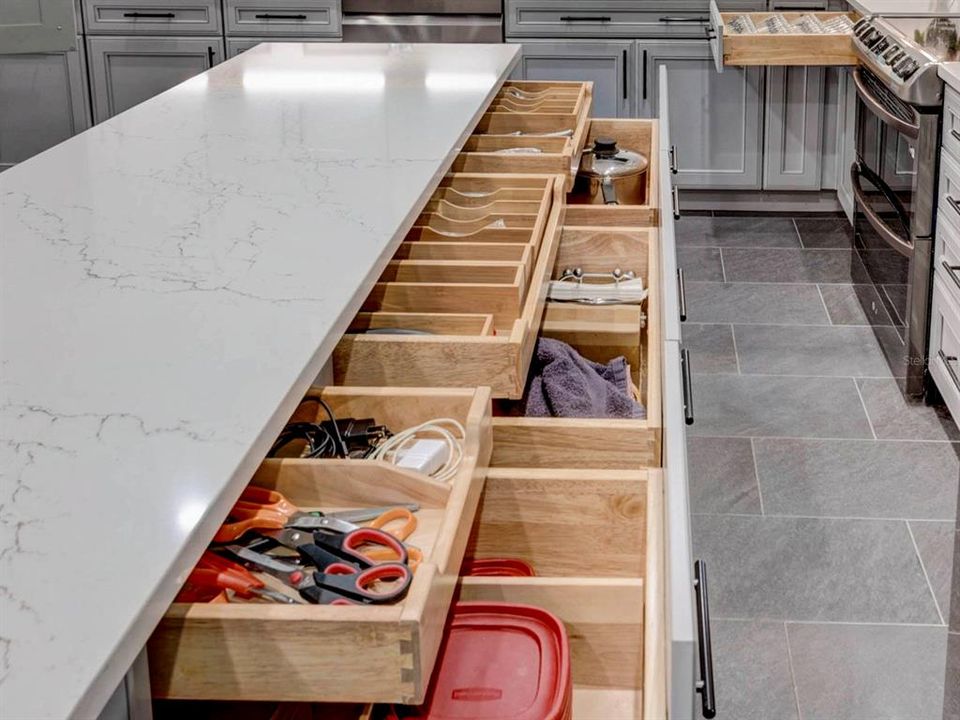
422,7
422,28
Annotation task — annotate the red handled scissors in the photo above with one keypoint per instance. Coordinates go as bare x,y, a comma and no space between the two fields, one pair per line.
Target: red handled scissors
215,573
341,584
323,549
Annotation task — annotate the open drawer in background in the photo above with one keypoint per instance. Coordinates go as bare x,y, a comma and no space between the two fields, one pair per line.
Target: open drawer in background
531,127
474,297
731,48
260,651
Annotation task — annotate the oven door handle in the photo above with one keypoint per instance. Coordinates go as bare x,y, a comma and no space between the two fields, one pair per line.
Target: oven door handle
902,246
908,129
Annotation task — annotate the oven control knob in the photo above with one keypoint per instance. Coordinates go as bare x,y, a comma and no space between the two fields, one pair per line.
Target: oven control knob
860,24
909,69
881,46
892,53
897,57
864,29
873,38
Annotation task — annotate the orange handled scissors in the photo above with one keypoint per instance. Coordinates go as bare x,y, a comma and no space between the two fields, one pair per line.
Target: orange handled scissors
263,509
381,553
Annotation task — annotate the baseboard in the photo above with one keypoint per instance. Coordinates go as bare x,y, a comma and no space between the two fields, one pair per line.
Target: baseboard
824,201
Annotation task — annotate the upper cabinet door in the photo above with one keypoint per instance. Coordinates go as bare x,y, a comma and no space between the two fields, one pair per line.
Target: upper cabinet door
605,63
716,119
35,26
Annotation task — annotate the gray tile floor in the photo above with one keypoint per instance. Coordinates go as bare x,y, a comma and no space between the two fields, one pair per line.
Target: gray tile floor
824,504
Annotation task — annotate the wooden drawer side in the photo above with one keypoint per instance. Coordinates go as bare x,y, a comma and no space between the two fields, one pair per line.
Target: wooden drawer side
266,651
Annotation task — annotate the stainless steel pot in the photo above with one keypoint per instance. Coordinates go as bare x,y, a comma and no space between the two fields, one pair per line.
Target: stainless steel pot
612,175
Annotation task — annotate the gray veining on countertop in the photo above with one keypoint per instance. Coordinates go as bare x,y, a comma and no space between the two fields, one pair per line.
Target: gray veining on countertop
170,283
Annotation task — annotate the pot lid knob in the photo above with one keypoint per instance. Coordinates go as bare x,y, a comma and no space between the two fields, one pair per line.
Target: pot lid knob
605,147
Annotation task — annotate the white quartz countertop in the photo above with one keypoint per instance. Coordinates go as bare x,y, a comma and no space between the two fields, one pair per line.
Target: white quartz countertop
171,281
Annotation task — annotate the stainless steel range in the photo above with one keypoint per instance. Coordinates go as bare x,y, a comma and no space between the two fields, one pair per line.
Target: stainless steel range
900,106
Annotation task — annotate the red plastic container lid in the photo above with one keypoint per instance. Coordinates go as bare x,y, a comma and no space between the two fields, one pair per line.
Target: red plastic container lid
497,567
499,661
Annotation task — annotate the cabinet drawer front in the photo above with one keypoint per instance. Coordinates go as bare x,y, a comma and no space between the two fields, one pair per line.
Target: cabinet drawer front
945,343
366,653
152,17
731,48
951,123
949,188
612,18
256,17
947,255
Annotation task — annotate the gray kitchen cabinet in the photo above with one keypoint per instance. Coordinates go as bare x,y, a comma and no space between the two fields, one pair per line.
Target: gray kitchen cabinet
716,119
282,18
608,64
793,143
37,26
44,101
847,147
126,71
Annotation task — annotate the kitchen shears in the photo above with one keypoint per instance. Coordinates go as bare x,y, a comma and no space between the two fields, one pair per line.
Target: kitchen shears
261,509
338,583
214,574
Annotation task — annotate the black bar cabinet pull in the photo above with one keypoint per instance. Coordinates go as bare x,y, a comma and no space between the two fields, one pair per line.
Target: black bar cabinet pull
644,74
705,686
585,18
210,54
150,14
674,18
682,295
952,272
946,360
674,163
625,60
687,386
277,16
675,194
954,204
956,135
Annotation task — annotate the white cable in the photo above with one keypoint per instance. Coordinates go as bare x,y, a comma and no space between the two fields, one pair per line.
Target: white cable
389,448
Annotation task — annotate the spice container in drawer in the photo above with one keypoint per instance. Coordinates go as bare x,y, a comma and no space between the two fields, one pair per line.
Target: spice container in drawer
530,127
354,651
462,300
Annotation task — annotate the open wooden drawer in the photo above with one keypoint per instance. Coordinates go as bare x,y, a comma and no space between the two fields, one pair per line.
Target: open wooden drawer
473,295
531,127
732,48
595,538
599,333
260,651
641,136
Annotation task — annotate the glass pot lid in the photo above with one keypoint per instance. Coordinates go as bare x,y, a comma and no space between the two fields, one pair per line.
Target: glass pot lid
606,160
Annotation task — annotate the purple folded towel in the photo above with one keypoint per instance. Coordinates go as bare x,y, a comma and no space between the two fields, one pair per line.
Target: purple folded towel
565,384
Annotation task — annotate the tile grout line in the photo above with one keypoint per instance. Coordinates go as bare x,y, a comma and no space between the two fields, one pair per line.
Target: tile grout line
926,576
858,623
823,302
723,268
736,353
846,518
821,438
793,674
756,475
799,236
866,412
788,375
